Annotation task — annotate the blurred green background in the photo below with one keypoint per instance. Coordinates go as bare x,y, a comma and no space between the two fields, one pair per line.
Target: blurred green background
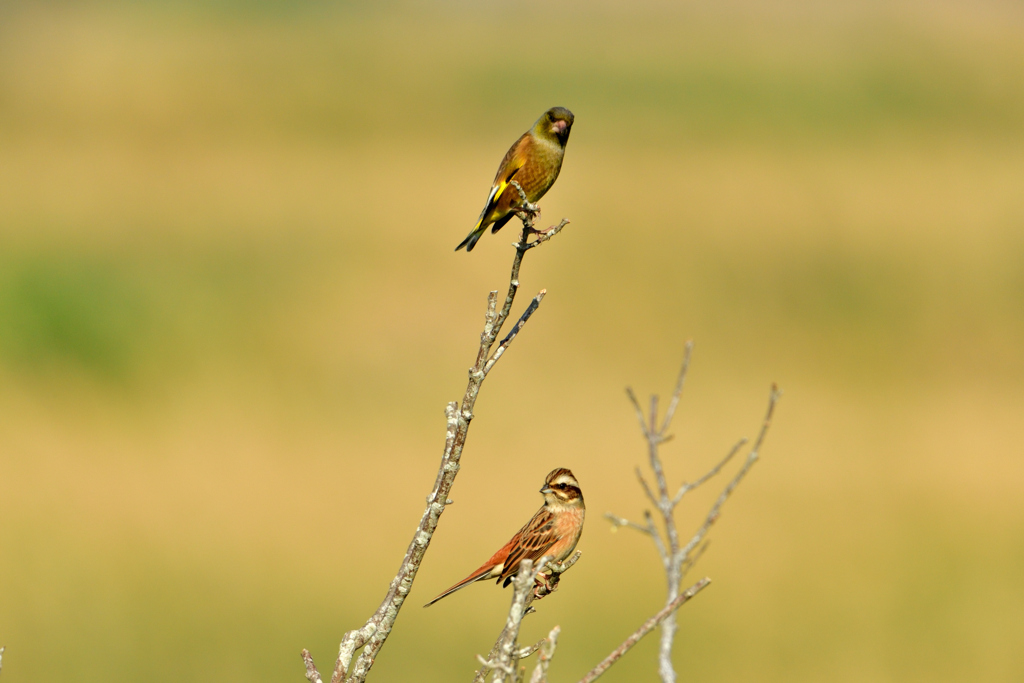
231,316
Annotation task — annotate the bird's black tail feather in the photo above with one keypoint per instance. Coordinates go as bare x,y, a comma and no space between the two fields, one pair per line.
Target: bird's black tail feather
472,238
500,223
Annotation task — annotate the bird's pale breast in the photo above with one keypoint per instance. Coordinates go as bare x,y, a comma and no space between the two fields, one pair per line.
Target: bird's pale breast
571,522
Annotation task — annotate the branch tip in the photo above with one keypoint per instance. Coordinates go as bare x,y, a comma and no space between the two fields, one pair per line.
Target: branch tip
312,675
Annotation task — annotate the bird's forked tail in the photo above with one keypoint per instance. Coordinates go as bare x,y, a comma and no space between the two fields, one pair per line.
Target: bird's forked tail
473,237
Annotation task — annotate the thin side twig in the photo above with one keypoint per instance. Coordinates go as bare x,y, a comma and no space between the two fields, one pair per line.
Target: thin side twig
524,652
622,521
687,487
644,629
680,380
752,457
688,563
666,558
639,411
547,651
515,330
647,489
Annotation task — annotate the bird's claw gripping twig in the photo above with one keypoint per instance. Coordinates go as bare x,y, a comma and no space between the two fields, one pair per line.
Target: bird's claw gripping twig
546,585
547,580
528,210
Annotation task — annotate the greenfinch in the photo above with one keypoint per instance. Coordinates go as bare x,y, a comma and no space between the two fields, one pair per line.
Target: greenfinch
534,162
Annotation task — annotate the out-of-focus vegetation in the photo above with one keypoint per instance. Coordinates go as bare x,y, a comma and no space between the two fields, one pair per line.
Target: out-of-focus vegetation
230,317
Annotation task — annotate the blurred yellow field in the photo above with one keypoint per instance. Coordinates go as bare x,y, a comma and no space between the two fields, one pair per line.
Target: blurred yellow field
231,316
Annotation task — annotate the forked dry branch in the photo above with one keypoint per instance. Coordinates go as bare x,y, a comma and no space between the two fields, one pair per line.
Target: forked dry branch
504,657
677,559
530,584
372,635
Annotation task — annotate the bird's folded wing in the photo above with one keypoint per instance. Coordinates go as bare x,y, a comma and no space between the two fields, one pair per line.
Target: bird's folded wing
535,539
499,186
514,159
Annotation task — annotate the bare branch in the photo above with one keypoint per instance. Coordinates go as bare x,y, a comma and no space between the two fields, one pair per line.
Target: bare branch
557,569
524,584
644,629
543,236
677,561
724,496
500,658
652,428
2,657
515,330
547,651
662,550
312,675
647,489
639,411
488,664
622,521
687,487
544,581
687,564
674,403
524,652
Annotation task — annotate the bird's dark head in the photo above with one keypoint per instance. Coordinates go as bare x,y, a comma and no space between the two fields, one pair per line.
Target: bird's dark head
556,123
561,488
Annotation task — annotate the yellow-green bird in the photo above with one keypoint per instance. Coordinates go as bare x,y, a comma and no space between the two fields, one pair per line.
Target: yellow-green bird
534,162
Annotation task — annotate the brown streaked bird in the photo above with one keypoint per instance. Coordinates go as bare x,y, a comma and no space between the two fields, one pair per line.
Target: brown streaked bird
554,530
534,162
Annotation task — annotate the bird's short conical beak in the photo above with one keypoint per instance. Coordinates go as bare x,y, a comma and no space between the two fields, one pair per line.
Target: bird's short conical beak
546,489
560,126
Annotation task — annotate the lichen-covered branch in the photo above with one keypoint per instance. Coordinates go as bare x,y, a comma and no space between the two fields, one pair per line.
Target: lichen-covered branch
312,675
502,660
370,637
545,651
533,582
678,558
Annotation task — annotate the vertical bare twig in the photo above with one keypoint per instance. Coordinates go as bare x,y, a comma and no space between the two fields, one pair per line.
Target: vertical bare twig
676,558
372,635
501,659
312,675
545,652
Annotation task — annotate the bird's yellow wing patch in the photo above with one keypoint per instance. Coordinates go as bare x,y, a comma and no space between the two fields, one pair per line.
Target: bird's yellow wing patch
499,187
